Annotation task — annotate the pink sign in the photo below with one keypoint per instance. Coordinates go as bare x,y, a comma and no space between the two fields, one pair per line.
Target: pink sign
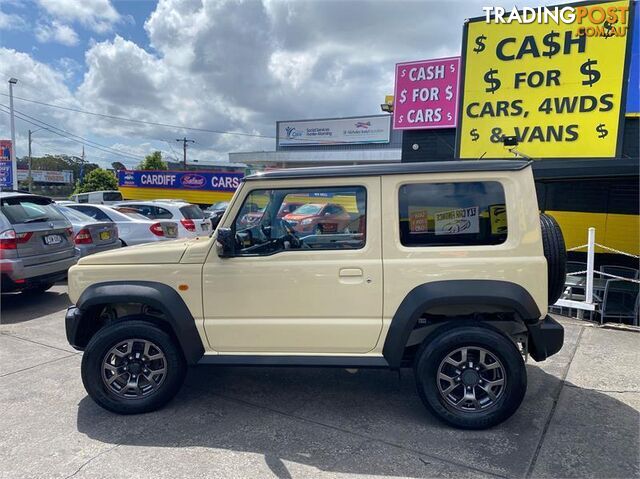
426,94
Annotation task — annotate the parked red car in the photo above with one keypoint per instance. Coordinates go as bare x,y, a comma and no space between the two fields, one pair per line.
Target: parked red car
316,218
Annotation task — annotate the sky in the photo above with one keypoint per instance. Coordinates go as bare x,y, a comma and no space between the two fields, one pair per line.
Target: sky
223,65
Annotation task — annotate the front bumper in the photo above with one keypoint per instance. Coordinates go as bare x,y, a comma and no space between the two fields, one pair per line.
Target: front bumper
545,338
72,321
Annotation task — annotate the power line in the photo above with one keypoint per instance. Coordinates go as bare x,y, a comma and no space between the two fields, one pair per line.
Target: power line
52,129
114,150
144,122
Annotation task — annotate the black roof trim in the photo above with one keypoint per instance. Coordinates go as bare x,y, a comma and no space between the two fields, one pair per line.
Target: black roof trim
586,168
391,169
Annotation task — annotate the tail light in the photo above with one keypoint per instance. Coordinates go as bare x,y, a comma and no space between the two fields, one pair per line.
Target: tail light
156,229
83,237
9,239
188,224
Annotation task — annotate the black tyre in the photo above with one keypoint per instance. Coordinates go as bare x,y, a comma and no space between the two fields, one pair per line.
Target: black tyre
470,377
39,289
317,230
556,254
132,367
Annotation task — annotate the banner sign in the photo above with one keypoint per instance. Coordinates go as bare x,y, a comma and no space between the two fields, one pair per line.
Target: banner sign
426,94
558,86
458,221
46,176
356,130
185,180
6,178
633,93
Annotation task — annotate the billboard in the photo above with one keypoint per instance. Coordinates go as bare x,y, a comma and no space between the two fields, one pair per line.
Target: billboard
633,93
426,94
6,178
335,131
559,88
184,180
46,176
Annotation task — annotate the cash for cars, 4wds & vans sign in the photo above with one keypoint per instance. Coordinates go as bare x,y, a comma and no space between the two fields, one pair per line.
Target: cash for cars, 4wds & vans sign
554,79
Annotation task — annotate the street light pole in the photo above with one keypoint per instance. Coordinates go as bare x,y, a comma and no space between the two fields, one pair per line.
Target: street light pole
30,178
14,158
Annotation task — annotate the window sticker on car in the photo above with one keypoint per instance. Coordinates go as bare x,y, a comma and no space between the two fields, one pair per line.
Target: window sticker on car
458,221
498,215
418,219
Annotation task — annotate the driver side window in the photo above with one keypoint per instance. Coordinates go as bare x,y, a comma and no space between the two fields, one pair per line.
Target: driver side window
272,221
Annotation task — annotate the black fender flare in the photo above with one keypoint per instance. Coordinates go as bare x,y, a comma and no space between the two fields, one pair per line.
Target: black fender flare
453,292
157,295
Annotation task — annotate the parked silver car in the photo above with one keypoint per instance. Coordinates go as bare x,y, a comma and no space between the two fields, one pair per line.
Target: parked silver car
89,235
133,228
36,243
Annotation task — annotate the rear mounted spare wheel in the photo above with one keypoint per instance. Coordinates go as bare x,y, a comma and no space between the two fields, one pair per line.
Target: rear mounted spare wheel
556,254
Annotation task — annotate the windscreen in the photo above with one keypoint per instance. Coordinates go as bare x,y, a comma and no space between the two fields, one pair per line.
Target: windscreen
192,212
29,209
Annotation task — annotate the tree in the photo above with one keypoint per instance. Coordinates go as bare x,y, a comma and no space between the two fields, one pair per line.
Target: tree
97,180
117,165
153,162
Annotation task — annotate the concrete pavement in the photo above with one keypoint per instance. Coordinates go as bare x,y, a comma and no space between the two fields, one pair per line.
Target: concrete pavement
580,417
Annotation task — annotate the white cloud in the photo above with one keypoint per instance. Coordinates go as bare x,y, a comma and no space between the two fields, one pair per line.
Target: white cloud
97,15
236,65
12,21
56,32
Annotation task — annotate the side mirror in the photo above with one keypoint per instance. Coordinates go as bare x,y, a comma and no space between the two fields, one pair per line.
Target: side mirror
225,242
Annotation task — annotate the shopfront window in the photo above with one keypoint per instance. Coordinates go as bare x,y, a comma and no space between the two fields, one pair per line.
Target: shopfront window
272,221
452,214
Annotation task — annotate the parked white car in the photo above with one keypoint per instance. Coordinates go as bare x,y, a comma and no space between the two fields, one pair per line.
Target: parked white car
133,228
98,197
190,218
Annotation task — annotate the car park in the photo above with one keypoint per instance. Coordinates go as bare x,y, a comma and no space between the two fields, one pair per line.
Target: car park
215,212
190,218
89,235
36,243
133,228
462,306
98,197
319,218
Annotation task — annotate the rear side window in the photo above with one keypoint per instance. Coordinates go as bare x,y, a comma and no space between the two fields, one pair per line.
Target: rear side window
112,196
93,212
29,209
83,198
192,212
452,214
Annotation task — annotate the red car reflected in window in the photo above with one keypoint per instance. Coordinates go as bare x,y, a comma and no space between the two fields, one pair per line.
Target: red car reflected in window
252,218
317,218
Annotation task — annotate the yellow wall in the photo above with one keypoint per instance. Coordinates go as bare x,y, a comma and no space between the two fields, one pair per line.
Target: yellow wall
192,196
621,232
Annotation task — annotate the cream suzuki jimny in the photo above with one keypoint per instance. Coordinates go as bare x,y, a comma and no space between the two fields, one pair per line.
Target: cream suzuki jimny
444,267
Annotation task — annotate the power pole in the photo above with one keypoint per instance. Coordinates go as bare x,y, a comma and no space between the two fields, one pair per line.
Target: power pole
184,150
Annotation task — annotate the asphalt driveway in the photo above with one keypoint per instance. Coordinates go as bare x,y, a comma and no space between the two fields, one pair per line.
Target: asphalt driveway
580,417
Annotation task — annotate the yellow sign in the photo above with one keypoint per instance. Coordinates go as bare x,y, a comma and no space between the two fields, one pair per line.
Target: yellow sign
557,87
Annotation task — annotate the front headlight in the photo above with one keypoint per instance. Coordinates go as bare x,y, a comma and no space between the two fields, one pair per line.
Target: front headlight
306,222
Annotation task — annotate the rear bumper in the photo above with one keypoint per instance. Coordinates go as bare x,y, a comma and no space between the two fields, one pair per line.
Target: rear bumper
16,276
86,250
546,338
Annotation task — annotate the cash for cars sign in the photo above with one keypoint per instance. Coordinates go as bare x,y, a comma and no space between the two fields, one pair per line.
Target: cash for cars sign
557,86
426,94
